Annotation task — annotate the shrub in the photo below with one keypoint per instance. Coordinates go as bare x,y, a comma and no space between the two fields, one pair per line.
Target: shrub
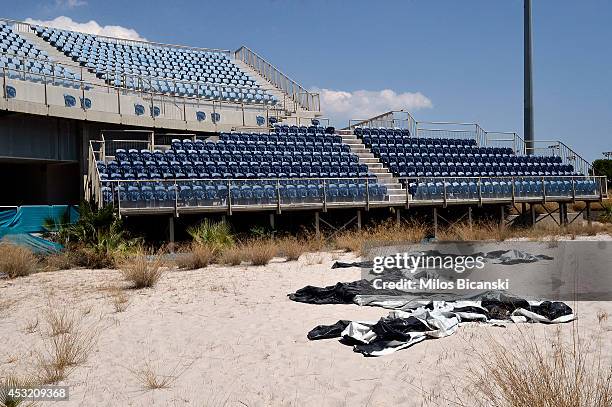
232,256
16,261
217,234
197,256
96,240
259,252
143,270
529,372
291,247
606,215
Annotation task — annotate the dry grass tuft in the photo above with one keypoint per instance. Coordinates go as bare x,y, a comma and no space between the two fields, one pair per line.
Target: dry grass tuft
59,261
17,261
479,231
259,252
61,321
386,232
602,316
198,256
531,372
291,248
231,257
64,351
31,326
119,300
143,270
151,380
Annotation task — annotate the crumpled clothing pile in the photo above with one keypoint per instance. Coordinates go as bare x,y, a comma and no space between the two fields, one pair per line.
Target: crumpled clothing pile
437,319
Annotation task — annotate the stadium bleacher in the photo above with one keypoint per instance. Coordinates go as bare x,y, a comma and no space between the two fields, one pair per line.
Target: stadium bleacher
290,161
21,59
431,167
162,69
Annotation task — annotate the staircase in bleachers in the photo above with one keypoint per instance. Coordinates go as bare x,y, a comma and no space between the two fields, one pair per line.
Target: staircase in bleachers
394,188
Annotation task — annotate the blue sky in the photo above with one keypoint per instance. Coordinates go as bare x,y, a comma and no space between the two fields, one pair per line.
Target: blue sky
441,59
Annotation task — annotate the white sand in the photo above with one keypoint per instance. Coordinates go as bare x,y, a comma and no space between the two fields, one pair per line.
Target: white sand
232,337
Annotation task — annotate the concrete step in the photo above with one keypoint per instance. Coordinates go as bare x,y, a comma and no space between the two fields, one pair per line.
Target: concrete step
293,110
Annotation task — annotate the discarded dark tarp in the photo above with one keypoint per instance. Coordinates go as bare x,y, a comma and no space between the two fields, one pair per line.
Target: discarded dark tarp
341,293
328,331
437,319
342,265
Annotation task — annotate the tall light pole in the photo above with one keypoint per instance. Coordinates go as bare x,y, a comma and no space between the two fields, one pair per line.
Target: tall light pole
528,91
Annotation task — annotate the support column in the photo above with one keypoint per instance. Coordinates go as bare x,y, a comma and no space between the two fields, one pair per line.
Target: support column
435,219
272,222
317,230
502,218
588,213
171,234
398,217
562,217
358,219
533,215
470,217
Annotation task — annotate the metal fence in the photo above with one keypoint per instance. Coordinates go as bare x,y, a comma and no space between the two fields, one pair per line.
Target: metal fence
504,189
307,100
229,194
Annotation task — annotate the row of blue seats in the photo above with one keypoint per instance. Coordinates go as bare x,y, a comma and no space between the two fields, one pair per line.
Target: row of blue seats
465,159
285,129
413,149
239,170
258,138
156,66
452,169
500,188
248,156
207,91
359,131
200,193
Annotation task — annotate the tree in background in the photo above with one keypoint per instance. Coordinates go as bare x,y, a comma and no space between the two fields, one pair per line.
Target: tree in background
603,167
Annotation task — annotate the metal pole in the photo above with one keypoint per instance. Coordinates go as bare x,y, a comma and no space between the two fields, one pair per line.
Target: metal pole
528,71
588,212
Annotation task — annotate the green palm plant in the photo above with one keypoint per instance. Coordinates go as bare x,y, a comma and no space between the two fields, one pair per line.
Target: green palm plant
216,234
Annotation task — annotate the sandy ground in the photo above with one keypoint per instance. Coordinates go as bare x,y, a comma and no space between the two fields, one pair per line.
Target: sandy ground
230,336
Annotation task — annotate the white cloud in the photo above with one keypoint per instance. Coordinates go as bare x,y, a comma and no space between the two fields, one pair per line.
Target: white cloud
70,3
91,27
340,106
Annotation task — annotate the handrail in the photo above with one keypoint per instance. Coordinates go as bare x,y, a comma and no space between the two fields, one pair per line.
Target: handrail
600,191
117,40
307,100
140,78
155,97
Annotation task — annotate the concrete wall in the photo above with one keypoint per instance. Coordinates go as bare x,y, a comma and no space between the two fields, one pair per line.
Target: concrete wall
111,106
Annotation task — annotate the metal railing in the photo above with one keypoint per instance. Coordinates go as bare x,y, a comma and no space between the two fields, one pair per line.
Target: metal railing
307,100
22,26
156,104
560,149
504,188
474,131
228,194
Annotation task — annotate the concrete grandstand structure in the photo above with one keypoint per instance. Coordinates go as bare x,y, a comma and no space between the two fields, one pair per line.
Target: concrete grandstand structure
158,129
